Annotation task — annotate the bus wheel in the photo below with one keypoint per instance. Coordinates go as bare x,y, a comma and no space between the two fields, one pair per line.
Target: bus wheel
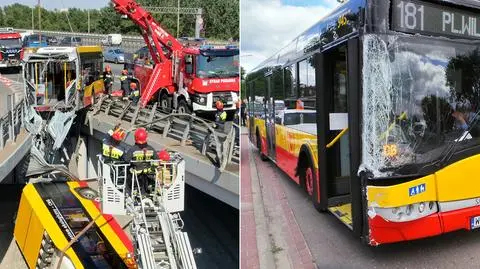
183,107
309,180
259,147
314,194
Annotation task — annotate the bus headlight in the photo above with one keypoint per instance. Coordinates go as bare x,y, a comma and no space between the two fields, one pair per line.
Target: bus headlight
405,213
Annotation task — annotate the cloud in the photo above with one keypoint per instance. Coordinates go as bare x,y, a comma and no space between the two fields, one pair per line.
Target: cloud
269,25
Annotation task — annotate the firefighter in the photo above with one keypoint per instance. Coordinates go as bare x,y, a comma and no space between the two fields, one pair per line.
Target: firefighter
134,93
112,151
140,156
220,115
124,85
108,79
243,112
236,118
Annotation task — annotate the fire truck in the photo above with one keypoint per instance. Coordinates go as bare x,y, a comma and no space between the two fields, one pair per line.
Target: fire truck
11,51
182,77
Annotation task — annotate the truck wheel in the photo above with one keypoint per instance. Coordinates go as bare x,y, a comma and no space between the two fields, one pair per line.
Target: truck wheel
183,107
164,102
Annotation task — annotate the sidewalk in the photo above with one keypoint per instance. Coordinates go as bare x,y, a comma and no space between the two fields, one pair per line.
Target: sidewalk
270,235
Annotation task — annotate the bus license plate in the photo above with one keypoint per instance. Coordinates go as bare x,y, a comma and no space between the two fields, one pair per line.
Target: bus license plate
475,222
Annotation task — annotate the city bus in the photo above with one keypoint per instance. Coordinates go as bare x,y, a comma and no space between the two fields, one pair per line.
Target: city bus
387,136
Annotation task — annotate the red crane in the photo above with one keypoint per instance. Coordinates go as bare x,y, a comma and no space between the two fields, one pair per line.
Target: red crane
152,32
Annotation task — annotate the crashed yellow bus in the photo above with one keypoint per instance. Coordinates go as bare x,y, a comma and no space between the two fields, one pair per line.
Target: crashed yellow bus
387,138
63,77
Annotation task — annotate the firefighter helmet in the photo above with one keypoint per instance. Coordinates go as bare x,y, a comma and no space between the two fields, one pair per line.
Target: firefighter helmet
133,85
118,134
141,136
163,155
219,105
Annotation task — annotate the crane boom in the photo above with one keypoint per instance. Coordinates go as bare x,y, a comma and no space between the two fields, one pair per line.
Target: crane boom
152,32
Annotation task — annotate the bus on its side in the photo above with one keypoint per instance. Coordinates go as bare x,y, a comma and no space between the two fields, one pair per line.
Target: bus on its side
388,136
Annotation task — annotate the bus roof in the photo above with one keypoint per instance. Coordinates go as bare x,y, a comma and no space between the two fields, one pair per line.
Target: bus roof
342,21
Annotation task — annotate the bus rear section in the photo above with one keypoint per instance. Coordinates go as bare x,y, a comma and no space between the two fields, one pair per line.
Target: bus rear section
51,215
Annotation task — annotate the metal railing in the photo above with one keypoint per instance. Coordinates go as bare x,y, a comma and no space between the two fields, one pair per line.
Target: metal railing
222,143
129,43
12,122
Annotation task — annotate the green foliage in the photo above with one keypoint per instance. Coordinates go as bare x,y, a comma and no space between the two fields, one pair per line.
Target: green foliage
221,19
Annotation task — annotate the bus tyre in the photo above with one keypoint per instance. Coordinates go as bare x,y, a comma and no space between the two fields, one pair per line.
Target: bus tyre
183,107
315,183
259,147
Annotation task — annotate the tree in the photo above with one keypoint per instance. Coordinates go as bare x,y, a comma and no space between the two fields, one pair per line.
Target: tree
221,19
463,77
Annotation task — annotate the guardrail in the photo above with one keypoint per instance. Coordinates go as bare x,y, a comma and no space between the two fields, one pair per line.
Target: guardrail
222,143
129,43
11,122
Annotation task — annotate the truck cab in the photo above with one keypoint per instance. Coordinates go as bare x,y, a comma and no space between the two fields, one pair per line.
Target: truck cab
11,51
211,75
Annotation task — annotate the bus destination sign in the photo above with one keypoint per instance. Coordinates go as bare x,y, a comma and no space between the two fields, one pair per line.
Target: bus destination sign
413,16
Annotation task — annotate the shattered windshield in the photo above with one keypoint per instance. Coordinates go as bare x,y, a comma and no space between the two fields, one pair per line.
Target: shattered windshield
10,42
421,103
217,66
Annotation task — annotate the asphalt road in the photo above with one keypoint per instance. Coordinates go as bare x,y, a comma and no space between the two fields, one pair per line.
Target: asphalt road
333,245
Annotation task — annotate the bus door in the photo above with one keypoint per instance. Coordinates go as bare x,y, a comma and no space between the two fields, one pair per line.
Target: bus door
270,119
333,133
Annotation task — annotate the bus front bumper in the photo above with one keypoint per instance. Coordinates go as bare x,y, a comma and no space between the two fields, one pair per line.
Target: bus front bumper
383,231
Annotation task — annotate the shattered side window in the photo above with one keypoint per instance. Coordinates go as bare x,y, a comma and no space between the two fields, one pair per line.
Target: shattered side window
421,102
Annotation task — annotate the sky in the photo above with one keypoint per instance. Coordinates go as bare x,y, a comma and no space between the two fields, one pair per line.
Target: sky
59,4
268,25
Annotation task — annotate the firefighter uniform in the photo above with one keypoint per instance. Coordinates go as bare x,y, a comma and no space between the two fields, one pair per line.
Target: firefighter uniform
220,115
125,83
108,79
134,93
112,151
140,157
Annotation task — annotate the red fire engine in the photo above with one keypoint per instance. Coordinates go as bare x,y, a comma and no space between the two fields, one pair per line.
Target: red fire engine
10,49
186,78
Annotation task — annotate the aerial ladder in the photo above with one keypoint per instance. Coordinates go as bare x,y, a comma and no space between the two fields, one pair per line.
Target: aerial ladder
165,72
156,228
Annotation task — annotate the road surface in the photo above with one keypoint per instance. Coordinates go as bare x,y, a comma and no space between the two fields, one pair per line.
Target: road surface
332,245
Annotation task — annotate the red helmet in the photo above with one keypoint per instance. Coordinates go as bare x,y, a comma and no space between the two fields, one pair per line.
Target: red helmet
163,155
141,136
133,85
118,135
219,105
